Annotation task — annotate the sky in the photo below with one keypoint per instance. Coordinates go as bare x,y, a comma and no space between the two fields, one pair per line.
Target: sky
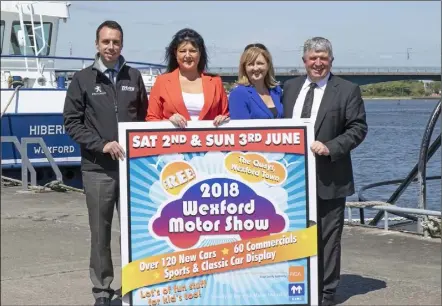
369,33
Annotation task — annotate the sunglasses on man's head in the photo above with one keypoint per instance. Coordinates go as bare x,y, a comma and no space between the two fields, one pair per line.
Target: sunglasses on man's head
260,46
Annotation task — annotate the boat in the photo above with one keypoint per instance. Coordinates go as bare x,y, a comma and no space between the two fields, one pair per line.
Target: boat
34,82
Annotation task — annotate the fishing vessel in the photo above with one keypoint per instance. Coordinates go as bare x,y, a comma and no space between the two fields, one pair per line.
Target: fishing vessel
34,82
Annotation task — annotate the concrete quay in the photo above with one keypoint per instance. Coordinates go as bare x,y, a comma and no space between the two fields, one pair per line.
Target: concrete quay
45,257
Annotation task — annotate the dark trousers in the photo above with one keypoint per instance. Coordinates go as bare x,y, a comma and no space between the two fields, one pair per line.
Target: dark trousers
330,226
102,194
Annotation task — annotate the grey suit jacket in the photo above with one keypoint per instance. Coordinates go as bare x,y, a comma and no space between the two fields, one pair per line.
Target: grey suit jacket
341,125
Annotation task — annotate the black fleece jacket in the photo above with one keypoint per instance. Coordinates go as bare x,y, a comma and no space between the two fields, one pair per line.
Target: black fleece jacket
94,106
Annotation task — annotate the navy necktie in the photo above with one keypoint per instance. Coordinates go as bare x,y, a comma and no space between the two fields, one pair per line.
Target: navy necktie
308,102
111,75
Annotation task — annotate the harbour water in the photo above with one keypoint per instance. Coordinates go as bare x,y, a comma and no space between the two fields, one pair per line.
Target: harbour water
391,149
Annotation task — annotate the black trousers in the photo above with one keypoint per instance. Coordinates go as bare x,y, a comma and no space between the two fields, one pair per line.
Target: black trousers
102,194
330,226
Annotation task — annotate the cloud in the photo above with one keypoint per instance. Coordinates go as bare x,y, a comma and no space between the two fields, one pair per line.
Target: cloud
167,158
211,163
260,214
157,194
276,194
272,156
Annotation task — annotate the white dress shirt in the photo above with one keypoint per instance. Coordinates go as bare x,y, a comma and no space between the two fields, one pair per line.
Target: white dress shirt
112,75
318,94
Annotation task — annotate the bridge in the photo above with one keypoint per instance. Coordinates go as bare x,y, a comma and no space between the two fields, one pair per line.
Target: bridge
358,75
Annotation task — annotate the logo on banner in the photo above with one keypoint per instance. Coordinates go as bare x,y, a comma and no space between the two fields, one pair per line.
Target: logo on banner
255,168
296,291
296,274
216,206
177,175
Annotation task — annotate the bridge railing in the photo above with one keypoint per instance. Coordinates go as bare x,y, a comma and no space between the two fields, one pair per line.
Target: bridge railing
297,70
418,173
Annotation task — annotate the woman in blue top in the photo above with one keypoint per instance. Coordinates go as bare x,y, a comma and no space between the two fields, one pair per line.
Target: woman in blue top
257,95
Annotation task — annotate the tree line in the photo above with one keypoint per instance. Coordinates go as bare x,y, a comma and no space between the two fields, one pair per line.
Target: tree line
401,89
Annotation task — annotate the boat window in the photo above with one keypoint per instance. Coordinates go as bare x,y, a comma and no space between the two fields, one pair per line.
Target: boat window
30,40
2,34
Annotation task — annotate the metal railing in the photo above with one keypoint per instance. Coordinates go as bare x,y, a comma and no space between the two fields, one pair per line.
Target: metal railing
422,165
10,100
417,174
62,66
83,60
22,148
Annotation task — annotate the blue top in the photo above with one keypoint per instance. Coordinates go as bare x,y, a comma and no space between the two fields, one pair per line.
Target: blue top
245,103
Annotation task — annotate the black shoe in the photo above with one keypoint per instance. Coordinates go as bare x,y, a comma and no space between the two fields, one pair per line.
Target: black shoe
102,301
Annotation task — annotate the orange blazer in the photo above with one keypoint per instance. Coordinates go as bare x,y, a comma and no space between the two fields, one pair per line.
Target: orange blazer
166,98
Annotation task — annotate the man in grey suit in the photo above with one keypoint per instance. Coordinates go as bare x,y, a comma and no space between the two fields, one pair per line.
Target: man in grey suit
336,107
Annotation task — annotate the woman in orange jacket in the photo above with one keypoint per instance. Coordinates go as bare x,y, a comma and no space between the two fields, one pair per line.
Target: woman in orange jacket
186,92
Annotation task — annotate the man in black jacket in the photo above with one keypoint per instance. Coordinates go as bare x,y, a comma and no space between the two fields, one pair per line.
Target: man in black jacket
336,108
97,99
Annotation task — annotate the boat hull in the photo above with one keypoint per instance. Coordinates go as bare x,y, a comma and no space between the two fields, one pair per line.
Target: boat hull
49,127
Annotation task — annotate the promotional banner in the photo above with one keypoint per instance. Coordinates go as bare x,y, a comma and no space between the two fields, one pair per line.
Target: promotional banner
218,216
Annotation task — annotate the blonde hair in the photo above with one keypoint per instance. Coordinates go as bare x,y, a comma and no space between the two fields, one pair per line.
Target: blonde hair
250,55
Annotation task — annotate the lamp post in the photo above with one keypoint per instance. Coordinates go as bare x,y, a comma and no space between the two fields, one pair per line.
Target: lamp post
301,51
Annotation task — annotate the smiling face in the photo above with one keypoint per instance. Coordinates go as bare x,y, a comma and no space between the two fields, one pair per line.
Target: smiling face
187,56
109,44
257,70
317,64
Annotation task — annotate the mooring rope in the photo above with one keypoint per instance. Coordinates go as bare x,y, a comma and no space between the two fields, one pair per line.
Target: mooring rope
54,185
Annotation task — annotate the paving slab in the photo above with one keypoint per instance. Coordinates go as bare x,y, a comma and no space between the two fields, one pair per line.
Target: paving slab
45,257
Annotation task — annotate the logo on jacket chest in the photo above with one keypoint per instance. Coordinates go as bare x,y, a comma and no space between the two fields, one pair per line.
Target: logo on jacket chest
127,88
98,91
